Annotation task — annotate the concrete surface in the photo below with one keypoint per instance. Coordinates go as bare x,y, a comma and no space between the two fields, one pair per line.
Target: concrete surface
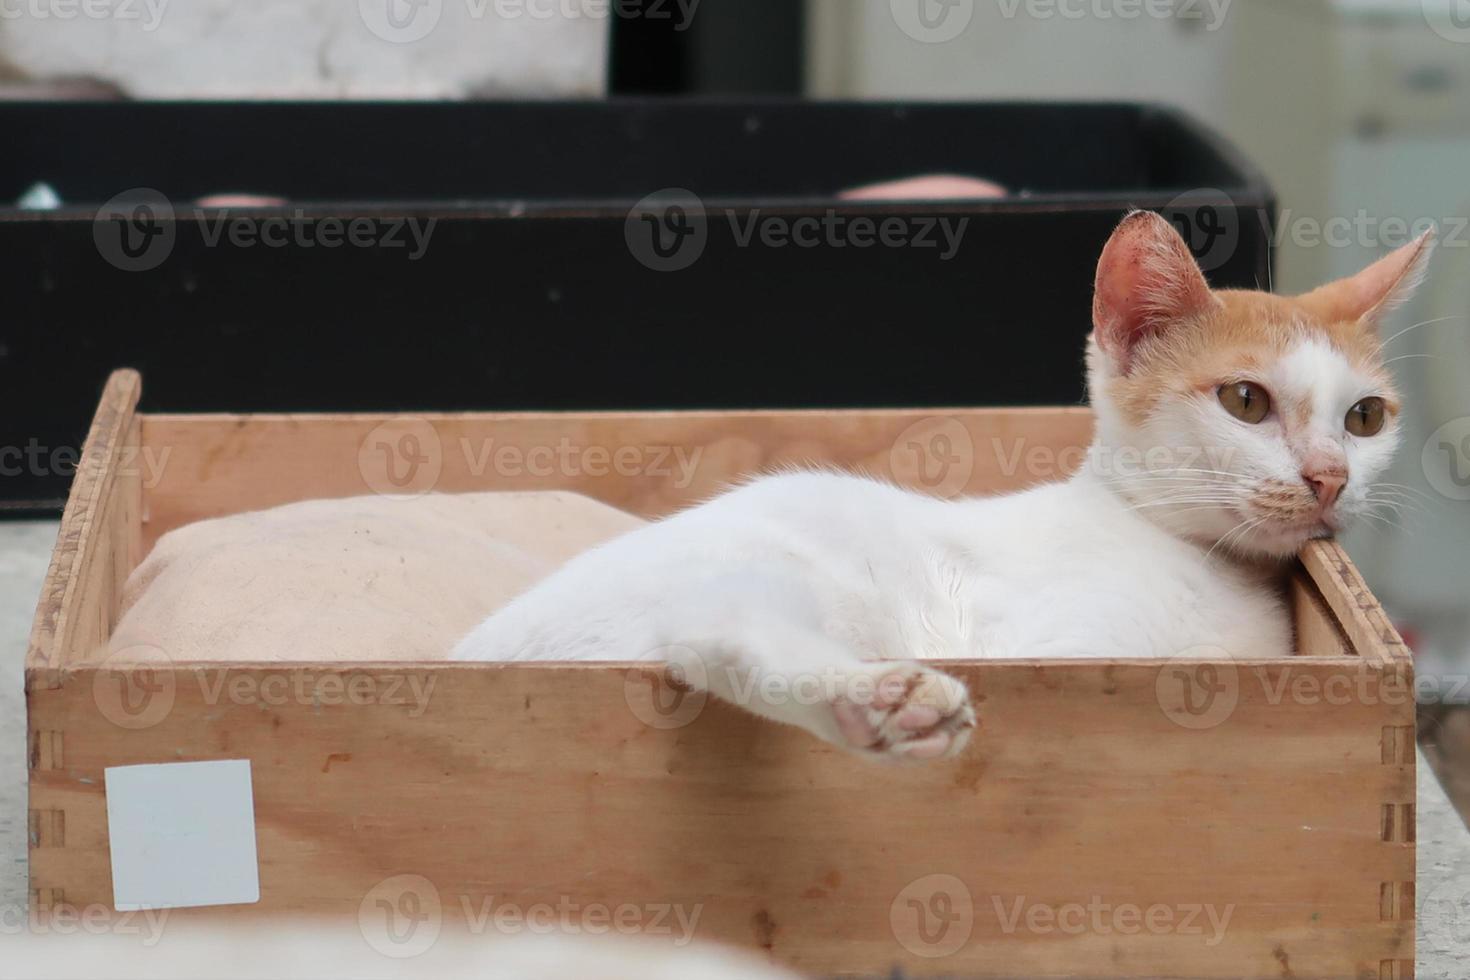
25,547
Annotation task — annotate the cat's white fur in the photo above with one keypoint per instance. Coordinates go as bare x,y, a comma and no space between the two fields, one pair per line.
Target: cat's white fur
810,598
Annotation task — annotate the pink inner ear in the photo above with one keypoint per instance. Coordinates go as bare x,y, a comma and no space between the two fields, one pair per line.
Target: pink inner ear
1146,280
1376,288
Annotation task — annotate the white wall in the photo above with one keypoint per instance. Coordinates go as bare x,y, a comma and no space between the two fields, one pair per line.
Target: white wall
1016,49
309,48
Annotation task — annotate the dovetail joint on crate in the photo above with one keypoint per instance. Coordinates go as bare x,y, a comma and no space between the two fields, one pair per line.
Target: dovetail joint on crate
1395,970
47,898
46,751
1398,821
1396,901
1397,745
47,828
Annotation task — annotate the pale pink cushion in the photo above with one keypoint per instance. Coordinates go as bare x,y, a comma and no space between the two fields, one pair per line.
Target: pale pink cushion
363,578
931,187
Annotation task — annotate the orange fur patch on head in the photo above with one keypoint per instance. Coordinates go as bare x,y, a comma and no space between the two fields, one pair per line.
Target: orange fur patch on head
1236,341
1159,328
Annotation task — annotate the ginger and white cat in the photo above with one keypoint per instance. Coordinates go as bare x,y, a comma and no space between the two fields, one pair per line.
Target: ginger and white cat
1232,427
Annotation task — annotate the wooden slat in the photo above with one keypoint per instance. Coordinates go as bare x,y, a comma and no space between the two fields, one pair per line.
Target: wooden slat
95,549
538,784
1318,634
648,463
1356,608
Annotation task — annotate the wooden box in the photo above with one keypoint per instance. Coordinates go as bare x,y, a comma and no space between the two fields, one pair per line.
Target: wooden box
1190,817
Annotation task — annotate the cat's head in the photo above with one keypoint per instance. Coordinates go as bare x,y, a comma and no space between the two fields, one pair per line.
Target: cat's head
1240,419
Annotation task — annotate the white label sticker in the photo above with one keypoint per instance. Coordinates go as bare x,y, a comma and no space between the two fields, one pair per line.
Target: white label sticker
182,835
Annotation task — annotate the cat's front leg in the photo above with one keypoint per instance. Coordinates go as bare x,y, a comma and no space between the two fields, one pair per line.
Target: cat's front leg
762,641
749,636
792,673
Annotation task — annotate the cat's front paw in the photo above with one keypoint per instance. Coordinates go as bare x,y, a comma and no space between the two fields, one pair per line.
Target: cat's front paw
911,713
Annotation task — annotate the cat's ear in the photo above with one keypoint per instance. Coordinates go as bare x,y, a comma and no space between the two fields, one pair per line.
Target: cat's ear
1146,281
1367,296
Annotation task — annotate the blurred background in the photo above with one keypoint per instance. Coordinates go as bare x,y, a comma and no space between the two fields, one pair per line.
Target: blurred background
1357,112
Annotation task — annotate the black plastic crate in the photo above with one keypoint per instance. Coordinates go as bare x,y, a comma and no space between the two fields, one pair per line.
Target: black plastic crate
539,286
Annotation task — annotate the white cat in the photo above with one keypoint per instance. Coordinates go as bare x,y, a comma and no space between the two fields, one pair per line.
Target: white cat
1232,427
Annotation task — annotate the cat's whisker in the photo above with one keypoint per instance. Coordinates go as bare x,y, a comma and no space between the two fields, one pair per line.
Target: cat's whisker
1146,483
1166,493
1385,521
1178,507
1190,504
1400,486
1163,478
1183,495
1389,488
1394,492
1397,510
1191,510
1407,357
1177,486
1423,323
1398,499
1160,490
1176,471
1397,503
1240,530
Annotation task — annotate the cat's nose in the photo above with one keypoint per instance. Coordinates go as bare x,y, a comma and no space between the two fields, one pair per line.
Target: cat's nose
1326,484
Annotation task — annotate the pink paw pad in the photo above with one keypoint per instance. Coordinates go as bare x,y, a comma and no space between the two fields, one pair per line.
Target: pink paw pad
913,714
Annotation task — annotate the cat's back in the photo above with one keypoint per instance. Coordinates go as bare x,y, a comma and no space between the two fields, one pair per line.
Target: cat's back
814,532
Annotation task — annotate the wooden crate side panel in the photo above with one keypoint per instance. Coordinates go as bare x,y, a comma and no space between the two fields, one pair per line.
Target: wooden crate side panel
1254,788
99,542
1367,626
650,464
1318,632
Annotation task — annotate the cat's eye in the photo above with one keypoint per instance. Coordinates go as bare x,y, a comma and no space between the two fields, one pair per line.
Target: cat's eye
1246,400
1366,417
